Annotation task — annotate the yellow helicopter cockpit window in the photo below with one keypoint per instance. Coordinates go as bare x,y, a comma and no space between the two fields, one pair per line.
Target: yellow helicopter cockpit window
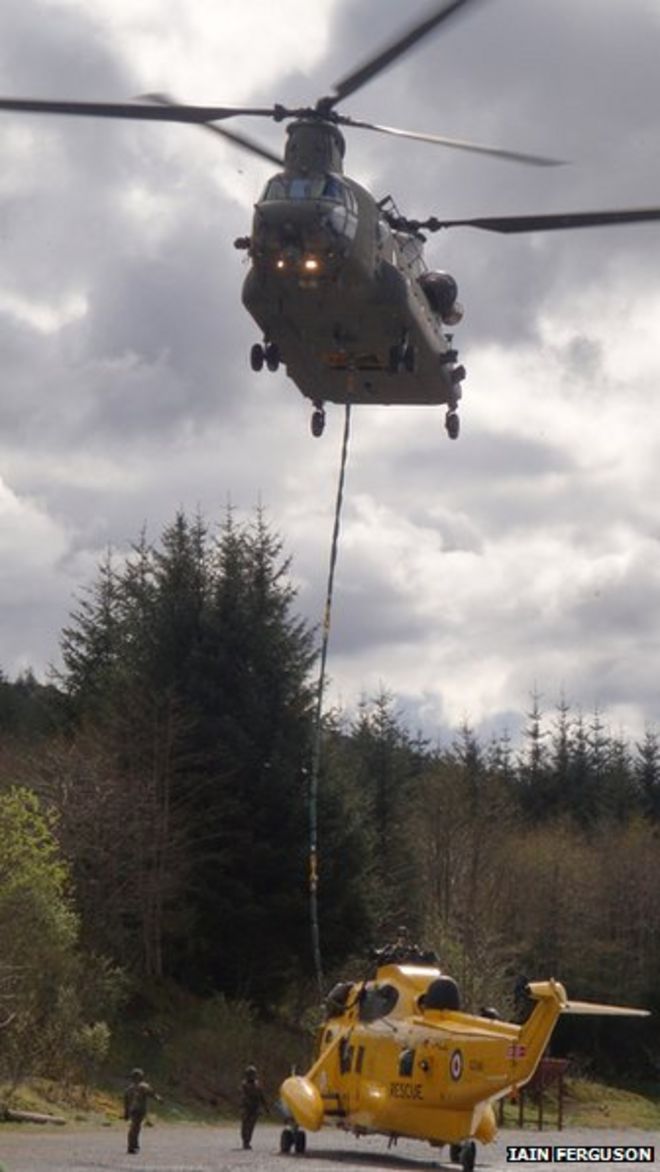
377,1002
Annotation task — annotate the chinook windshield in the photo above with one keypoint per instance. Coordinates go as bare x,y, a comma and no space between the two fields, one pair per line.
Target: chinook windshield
317,187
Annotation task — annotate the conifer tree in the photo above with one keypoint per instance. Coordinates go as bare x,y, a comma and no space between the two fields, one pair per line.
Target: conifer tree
193,669
389,765
647,774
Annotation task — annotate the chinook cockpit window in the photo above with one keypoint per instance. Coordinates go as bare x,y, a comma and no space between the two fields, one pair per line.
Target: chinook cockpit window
329,187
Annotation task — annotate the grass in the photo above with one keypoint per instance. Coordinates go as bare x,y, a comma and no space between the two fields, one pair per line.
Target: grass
45,1097
97,1107
592,1104
586,1104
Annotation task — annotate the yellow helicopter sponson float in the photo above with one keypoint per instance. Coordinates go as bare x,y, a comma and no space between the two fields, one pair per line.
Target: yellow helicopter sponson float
398,1057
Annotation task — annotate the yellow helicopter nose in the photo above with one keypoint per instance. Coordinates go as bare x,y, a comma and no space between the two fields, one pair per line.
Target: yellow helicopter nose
303,1099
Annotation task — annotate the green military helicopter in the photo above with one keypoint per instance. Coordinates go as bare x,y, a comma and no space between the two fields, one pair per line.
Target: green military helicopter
338,283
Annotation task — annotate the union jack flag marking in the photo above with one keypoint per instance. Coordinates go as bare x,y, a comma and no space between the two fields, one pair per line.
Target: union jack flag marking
515,1050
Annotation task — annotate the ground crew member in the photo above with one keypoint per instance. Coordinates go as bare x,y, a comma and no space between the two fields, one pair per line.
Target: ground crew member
253,1101
136,1098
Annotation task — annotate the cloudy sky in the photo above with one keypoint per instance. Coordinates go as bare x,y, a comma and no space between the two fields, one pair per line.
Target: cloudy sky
527,554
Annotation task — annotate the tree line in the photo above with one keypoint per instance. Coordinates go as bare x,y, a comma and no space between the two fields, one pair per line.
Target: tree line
156,791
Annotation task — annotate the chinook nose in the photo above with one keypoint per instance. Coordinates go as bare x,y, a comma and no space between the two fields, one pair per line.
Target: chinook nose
278,223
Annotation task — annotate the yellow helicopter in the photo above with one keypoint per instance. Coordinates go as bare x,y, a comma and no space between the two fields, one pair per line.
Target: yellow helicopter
396,1056
338,283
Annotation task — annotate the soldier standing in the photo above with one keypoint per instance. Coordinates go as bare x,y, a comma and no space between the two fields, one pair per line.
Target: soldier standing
136,1099
253,1101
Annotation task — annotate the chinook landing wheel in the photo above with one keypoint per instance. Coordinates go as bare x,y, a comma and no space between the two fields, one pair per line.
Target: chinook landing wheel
401,357
257,356
286,1141
272,355
453,425
318,422
394,359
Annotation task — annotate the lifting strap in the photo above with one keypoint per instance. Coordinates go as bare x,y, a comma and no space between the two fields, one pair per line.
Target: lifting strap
318,716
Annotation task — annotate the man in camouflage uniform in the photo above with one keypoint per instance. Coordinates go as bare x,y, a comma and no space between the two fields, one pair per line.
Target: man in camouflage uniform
136,1098
253,1101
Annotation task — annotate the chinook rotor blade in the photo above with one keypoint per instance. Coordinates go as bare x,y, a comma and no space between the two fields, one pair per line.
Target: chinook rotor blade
359,77
546,223
144,111
456,143
240,140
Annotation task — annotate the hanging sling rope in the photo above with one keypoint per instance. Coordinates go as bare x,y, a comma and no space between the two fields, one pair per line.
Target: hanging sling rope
318,716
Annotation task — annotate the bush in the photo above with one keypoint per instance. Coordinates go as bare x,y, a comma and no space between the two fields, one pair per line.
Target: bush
214,1042
47,989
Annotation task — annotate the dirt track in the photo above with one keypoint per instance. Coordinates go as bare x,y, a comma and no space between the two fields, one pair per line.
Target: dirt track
178,1148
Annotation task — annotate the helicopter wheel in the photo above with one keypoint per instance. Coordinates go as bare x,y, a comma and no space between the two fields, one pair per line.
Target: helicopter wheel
453,424
300,1142
409,358
401,357
286,1141
468,1156
272,356
257,356
318,422
394,360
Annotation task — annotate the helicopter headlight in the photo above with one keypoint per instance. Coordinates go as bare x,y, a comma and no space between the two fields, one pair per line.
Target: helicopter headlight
311,264
280,263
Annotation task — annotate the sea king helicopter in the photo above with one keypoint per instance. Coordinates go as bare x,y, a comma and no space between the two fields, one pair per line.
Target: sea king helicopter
397,1056
338,283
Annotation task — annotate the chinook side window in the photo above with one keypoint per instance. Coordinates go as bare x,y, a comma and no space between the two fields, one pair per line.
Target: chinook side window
378,1002
334,189
275,189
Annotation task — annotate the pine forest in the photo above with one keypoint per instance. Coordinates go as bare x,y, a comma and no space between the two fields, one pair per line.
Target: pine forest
154,811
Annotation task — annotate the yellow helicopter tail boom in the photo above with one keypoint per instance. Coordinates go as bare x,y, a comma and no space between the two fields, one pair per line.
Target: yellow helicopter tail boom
552,1001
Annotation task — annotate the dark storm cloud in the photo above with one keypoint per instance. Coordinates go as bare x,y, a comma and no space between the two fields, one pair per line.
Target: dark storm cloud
156,347
576,79
49,47
512,460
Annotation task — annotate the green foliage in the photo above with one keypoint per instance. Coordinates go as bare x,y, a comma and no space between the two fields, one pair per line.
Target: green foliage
387,766
465,827
38,936
188,670
38,927
29,710
212,1042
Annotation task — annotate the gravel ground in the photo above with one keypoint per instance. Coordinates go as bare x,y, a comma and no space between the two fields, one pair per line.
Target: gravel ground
179,1148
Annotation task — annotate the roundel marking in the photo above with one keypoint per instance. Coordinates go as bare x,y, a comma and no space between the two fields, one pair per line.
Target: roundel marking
456,1065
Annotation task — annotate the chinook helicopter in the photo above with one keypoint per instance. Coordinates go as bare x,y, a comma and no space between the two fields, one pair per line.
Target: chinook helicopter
338,283
396,1056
